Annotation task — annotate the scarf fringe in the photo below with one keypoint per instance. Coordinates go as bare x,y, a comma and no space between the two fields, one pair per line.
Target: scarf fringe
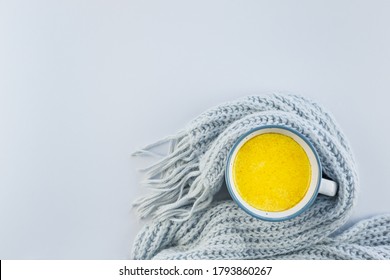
174,180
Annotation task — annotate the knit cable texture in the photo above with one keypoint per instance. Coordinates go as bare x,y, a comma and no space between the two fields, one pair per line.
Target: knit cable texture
187,223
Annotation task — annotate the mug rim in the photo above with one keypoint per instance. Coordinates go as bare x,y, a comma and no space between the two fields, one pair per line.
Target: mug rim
230,186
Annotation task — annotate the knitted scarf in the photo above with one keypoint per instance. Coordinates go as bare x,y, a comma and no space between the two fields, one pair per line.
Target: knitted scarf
187,222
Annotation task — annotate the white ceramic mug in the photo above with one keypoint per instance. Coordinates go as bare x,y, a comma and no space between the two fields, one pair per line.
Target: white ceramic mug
317,185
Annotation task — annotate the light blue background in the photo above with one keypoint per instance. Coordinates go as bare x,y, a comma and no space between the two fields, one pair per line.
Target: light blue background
85,83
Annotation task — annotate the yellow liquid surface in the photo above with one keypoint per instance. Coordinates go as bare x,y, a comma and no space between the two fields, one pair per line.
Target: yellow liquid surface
272,172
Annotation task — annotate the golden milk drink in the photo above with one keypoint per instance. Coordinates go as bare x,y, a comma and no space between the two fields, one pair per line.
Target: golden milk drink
271,172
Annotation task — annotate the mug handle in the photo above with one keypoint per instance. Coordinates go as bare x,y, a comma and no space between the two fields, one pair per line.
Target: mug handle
328,187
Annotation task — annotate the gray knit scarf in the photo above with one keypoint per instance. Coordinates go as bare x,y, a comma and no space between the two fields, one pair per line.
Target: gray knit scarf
187,222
